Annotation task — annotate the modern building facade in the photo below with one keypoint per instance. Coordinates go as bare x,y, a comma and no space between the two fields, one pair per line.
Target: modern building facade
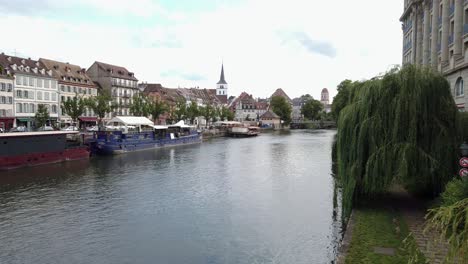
7,117
33,86
435,34
118,81
72,81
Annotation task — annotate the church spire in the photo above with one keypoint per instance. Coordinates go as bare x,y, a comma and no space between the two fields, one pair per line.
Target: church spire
221,79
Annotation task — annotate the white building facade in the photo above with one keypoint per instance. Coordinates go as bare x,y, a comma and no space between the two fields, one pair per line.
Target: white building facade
73,82
7,117
33,86
435,34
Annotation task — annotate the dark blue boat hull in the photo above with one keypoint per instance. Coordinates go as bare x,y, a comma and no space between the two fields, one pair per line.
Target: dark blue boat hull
113,147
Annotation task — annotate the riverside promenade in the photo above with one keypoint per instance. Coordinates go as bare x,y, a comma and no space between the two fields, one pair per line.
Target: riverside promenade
401,206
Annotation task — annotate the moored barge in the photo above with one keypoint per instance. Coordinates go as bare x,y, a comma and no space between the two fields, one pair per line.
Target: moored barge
129,134
37,148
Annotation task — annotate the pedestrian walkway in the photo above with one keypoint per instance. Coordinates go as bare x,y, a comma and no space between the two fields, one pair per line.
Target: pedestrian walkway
413,211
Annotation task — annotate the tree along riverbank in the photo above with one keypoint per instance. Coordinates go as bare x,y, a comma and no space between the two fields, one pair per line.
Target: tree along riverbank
402,128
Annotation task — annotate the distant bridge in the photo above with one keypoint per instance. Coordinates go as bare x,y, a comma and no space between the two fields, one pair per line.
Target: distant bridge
302,124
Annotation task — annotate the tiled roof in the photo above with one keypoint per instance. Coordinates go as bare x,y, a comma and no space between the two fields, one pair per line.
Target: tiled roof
270,115
207,96
117,71
67,72
280,92
23,66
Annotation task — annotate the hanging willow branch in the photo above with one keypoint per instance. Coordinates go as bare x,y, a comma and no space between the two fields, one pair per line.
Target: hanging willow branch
400,128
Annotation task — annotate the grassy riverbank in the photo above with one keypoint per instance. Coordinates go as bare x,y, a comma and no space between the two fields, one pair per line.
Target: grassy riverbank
379,237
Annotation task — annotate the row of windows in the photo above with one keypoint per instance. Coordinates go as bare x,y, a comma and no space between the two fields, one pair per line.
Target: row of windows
79,90
31,108
6,100
119,92
6,112
124,82
46,96
36,82
87,113
6,87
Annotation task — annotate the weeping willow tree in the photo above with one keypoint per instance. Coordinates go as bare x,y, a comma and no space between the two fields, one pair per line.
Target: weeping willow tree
400,128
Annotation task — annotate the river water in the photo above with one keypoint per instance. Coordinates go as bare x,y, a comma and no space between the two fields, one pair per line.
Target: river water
267,199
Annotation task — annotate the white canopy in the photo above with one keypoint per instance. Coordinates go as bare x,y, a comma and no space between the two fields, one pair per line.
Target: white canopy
180,124
131,121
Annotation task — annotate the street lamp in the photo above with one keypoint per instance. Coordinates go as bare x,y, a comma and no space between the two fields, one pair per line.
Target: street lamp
464,149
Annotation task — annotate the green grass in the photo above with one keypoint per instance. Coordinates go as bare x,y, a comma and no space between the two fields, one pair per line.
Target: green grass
376,228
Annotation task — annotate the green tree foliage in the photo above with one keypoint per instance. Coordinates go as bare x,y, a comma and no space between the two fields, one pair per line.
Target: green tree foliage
193,112
156,108
208,112
229,114
180,110
342,98
452,223
74,107
225,113
312,109
282,108
140,105
400,128
101,104
42,115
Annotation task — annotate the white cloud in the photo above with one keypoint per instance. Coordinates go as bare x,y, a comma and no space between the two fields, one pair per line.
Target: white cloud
365,34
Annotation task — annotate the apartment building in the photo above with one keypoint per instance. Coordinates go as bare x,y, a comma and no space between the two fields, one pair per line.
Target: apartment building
118,81
7,117
435,34
33,86
72,81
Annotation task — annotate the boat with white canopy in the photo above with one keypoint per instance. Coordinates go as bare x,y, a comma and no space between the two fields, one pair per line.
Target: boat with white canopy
132,133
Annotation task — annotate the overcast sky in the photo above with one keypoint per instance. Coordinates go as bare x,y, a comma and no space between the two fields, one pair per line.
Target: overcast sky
301,46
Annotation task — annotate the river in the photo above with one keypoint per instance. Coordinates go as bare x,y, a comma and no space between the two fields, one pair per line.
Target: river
267,199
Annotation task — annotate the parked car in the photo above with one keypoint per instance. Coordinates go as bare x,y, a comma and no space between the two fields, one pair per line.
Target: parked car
19,129
70,128
92,129
45,128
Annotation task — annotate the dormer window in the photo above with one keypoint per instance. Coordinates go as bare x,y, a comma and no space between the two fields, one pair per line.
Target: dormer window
14,67
23,61
9,59
27,68
21,68
42,71
34,70
37,63
49,72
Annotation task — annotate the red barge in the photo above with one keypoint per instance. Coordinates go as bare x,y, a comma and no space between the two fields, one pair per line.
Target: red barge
38,148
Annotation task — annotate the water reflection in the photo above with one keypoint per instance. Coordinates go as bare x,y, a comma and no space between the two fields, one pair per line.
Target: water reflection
268,199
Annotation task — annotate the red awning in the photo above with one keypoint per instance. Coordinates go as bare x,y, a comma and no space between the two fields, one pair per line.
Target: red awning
88,119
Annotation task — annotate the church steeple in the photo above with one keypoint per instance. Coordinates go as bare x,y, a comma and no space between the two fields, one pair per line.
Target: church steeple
222,86
221,79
